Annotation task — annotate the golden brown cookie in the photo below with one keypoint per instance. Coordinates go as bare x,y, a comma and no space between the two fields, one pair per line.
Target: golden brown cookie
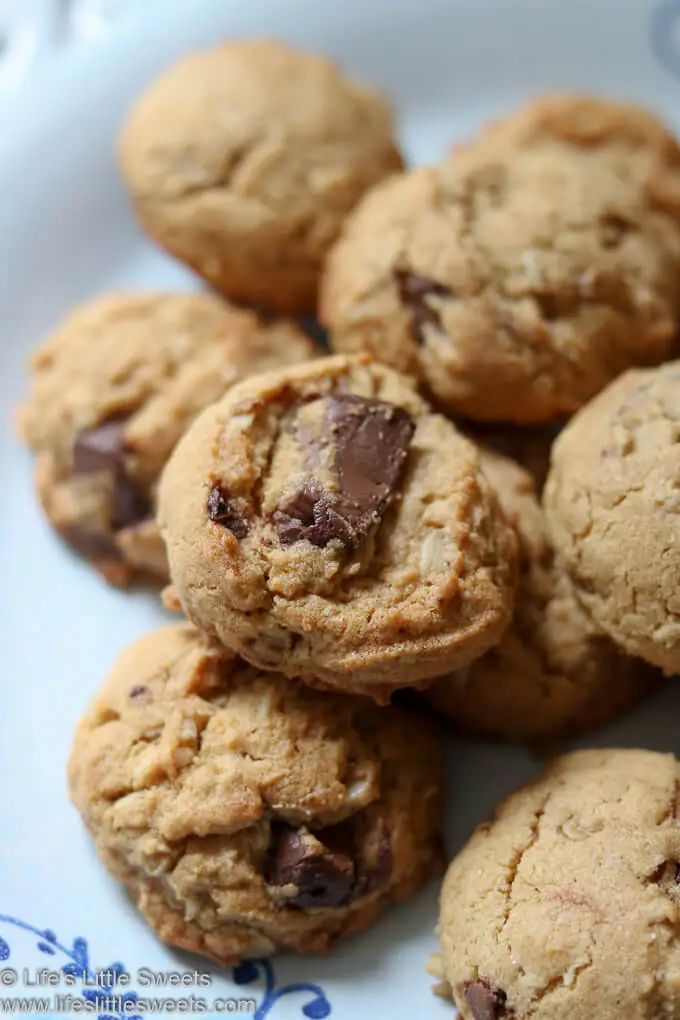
322,521
112,390
566,905
244,160
612,509
518,278
248,814
528,445
553,672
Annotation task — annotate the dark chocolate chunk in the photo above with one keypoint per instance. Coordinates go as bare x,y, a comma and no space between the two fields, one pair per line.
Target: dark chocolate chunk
323,879
101,448
486,1003
138,690
130,504
370,440
413,292
93,545
222,511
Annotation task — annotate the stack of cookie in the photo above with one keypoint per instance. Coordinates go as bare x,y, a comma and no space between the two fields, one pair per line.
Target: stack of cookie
340,528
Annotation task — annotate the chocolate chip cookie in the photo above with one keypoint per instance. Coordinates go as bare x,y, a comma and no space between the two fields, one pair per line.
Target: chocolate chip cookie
246,813
553,672
519,277
612,508
111,393
322,521
565,906
244,160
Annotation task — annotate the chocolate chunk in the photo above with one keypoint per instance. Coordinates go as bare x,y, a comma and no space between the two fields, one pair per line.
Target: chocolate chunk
101,448
323,879
370,440
413,292
130,504
486,1003
138,691
222,511
93,545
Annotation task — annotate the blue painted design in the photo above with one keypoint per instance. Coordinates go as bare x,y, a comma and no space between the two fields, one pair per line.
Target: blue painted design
317,1008
664,35
98,986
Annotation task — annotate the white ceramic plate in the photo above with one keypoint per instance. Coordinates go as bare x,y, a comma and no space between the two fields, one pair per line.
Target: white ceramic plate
66,234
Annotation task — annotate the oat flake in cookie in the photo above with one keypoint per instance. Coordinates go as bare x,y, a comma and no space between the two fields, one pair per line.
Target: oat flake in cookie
566,904
112,390
247,813
322,521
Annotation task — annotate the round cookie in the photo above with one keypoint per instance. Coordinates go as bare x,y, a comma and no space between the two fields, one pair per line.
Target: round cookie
515,280
111,392
246,813
565,906
322,521
552,672
612,509
244,160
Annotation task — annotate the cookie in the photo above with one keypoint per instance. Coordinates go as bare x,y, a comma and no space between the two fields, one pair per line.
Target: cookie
246,813
528,445
612,509
111,393
322,521
565,906
518,278
244,160
553,672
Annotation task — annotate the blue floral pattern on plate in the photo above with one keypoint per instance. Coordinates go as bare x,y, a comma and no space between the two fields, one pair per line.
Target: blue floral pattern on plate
98,985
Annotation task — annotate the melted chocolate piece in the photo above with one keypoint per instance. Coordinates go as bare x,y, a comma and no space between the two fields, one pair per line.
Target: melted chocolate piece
130,504
324,879
413,293
370,440
486,1003
93,545
222,511
101,448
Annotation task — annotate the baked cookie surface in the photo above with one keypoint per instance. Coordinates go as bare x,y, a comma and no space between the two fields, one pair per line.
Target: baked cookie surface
553,672
246,813
565,906
111,392
322,521
244,160
516,279
612,509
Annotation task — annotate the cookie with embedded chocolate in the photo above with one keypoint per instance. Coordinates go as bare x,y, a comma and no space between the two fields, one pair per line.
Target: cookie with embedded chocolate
111,393
244,160
323,521
246,813
523,274
565,905
553,672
